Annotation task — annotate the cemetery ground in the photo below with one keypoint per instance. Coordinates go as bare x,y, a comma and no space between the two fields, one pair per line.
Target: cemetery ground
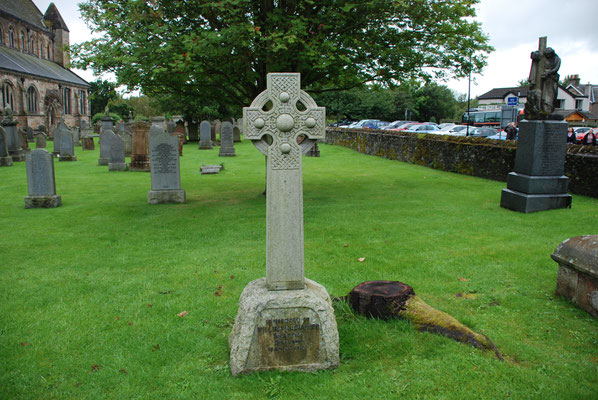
109,297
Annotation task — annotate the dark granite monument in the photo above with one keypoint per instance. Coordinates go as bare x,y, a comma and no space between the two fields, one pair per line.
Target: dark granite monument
538,182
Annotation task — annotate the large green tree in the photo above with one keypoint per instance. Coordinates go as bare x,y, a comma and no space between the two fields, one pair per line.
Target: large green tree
221,50
100,94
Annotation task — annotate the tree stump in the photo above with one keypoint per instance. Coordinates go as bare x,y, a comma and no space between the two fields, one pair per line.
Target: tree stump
380,299
391,299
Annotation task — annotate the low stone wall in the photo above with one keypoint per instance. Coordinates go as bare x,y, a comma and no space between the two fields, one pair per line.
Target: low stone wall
485,158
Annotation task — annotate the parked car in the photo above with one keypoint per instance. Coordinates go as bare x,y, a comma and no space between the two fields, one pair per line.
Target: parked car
446,126
458,130
341,124
423,128
482,132
395,124
406,126
580,132
361,124
375,125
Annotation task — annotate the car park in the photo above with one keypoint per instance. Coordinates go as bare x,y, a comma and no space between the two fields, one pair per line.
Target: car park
395,124
482,132
361,124
406,126
446,126
458,130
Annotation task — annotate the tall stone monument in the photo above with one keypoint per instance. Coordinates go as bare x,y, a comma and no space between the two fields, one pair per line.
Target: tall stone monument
106,122
13,142
205,138
165,168
140,158
127,138
5,158
538,182
40,180
285,321
227,147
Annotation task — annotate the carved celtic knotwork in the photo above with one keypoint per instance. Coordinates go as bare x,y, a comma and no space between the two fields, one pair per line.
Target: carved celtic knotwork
284,122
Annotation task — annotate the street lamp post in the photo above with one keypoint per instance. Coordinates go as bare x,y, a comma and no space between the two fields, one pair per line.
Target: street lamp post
468,96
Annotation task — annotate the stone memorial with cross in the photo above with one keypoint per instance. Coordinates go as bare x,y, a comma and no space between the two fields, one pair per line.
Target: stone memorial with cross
284,321
538,182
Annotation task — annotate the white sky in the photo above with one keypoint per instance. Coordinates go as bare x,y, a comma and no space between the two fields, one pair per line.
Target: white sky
514,27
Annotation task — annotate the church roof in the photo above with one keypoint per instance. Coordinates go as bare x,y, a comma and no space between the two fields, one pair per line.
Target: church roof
500,93
24,10
52,15
15,61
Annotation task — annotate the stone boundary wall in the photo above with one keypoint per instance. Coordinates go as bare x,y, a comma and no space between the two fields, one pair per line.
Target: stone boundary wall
485,158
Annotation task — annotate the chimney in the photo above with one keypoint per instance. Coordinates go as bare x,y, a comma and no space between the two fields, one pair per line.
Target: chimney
574,80
54,21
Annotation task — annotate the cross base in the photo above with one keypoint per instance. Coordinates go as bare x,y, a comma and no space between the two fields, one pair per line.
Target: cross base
289,330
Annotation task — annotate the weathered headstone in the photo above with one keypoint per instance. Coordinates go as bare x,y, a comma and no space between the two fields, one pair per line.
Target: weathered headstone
105,146
227,148
166,175
538,182
236,133
284,321
56,137
180,130
40,140
158,121
205,141
13,141
215,132
23,140
40,181
76,136
577,278
5,158
170,125
127,138
30,136
314,151
140,158
86,136
193,131
106,123
117,153
66,149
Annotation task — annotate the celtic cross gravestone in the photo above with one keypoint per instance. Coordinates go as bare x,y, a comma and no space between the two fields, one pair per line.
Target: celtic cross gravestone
285,321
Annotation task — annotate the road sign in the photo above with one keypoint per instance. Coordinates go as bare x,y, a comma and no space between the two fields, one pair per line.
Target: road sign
512,101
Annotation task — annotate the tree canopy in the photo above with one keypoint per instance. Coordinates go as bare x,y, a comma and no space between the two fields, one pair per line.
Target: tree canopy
207,52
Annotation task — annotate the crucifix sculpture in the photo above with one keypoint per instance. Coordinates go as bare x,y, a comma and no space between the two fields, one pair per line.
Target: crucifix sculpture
275,121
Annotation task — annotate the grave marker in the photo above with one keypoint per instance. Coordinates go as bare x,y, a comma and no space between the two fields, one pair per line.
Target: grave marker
117,153
105,146
227,148
40,140
165,168
284,321
13,142
66,149
205,141
5,158
140,159
40,180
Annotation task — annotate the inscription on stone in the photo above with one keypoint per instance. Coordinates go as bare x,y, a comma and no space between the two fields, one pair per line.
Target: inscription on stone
166,157
289,341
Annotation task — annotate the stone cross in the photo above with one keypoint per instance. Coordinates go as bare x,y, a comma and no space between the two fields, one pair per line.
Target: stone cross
293,113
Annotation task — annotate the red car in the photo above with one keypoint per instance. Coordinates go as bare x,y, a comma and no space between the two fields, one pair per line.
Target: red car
580,132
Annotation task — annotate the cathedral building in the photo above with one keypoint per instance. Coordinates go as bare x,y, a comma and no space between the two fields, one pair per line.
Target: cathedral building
35,79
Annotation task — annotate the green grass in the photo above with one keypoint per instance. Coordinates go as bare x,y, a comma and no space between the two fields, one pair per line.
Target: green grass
100,281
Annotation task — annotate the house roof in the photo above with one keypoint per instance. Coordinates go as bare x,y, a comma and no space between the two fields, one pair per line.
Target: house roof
24,10
15,61
500,93
586,114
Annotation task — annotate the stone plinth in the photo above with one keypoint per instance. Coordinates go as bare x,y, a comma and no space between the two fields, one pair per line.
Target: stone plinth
118,166
43,201
67,158
538,182
166,196
290,330
577,278
210,169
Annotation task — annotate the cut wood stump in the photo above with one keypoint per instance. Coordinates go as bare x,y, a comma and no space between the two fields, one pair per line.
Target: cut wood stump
391,299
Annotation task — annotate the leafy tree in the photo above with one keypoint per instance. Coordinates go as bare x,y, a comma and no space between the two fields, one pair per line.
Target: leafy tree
208,53
523,83
435,102
101,93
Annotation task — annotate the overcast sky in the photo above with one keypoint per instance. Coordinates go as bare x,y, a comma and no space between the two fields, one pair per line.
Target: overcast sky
513,26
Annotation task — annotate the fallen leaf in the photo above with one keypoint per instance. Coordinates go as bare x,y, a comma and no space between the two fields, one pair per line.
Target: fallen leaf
182,314
462,279
124,371
165,291
232,277
219,286
25,344
218,293
129,323
116,318
346,245
362,259
95,367
148,305
155,347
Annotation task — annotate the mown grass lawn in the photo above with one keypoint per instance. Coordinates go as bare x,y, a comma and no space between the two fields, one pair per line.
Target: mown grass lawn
90,291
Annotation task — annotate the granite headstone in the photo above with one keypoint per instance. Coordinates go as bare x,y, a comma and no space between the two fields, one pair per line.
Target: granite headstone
5,158
117,153
205,141
227,148
40,181
165,168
